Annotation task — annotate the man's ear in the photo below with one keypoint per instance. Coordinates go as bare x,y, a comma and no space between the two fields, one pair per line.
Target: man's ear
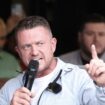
17,50
54,43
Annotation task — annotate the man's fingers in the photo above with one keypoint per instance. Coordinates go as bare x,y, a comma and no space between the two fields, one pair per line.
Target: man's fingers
94,53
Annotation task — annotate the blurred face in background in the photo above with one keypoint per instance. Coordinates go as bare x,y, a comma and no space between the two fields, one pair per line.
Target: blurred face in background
93,33
3,34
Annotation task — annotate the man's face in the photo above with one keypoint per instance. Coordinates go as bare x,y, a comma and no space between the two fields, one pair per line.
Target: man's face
38,44
93,33
2,37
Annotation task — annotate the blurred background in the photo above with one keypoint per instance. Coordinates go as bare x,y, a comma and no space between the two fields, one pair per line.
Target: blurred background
63,15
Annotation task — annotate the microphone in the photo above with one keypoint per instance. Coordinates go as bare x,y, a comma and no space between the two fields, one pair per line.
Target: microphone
55,87
30,74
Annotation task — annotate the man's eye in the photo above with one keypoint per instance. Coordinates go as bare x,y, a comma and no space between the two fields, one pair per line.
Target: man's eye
88,33
40,44
101,34
25,47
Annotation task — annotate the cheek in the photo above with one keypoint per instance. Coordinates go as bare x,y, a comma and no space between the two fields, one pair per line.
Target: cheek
48,53
88,41
102,42
23,55
49,48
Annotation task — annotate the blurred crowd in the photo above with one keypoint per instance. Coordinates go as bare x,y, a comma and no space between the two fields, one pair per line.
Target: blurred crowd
10,64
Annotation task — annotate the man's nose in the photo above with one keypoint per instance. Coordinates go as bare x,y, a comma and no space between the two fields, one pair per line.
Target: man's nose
96,37
34,50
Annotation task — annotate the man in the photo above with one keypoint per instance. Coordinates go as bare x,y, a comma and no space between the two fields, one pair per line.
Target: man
8,63
35,41
92,31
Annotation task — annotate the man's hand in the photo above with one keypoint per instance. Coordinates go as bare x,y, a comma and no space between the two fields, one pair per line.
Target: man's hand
22,96
96,68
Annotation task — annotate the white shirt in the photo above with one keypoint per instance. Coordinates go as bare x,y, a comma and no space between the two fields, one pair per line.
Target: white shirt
77,88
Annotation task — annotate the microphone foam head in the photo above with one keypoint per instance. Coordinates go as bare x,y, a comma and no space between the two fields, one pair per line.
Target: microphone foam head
33,65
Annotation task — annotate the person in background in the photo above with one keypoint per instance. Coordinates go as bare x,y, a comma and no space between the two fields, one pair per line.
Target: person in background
17,14
92,31
56,82
8,63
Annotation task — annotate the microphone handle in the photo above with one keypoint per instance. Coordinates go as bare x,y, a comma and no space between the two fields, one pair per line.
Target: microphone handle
30,74
29,79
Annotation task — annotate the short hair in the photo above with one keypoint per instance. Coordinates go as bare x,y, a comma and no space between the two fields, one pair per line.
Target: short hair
91,18
31,22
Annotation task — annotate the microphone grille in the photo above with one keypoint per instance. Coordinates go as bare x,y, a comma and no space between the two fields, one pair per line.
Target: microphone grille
33,65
